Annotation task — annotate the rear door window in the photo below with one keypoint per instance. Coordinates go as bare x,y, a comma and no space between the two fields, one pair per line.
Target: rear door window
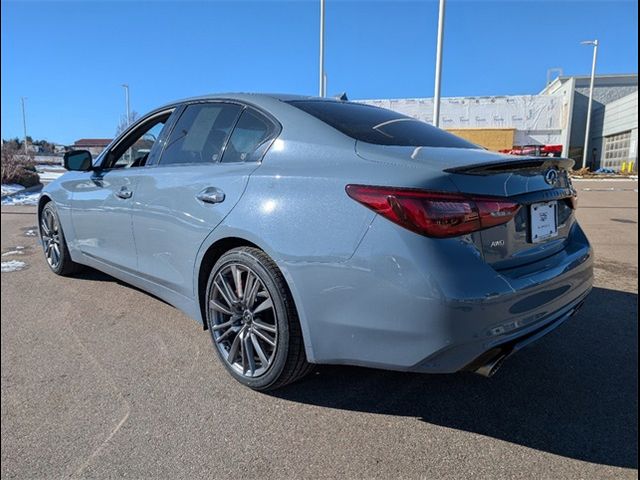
378,125
250,139
200,134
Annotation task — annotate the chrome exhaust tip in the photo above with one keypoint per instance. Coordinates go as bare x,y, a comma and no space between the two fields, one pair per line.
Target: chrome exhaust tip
491,367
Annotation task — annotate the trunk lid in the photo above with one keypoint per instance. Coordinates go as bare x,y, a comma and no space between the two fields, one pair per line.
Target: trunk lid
541,185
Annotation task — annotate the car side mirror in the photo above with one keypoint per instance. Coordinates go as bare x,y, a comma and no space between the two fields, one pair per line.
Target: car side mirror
78,160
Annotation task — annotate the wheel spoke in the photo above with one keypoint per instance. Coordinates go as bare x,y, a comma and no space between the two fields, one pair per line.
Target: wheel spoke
243,355
219,307
56,253
265,337
250,284
264,326
248,353
259,351
267,304
49,220
233,350
45,227
237,279
228,323
226,291
224,335
254,293
222,293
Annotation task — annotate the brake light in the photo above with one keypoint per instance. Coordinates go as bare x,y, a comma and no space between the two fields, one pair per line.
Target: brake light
434,214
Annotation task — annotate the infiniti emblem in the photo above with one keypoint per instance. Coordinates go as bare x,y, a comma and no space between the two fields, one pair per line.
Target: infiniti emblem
551,177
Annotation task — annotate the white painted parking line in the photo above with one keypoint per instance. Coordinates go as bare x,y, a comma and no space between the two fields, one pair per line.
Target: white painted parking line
610,189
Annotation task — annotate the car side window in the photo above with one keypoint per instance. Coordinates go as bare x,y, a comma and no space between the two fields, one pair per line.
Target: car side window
200,134
250,138
138,153
134,150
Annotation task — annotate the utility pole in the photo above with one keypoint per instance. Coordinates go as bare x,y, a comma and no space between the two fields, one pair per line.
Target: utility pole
436,94
126,99
323,80
24,125
585,154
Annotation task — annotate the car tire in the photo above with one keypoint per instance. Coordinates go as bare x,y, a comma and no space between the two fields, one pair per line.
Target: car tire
54,243
244,321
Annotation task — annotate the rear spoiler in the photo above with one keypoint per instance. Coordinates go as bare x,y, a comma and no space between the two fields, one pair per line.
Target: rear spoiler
530,164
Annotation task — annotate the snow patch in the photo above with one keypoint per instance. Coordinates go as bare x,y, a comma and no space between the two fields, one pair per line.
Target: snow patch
13,252
8,188
22,199
49,176
12,266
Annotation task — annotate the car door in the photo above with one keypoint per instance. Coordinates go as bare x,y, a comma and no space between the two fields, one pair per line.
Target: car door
199,178
102,200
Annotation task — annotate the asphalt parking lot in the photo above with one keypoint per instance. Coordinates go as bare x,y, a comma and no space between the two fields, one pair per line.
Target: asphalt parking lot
102,380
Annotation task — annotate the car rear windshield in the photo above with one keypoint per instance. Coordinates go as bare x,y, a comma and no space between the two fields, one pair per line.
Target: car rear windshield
379,125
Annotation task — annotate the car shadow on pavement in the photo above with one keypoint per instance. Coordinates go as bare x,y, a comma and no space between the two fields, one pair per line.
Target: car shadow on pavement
573,393
88,273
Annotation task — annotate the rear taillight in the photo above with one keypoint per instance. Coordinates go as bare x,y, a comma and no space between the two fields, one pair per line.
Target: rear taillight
435,214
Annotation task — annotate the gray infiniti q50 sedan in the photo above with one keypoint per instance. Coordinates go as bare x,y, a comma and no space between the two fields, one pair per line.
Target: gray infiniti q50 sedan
303,231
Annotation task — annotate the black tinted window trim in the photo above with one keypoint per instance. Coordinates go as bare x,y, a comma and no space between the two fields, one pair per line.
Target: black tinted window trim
379,126
274,130
183,110
243,104
179,110
173,119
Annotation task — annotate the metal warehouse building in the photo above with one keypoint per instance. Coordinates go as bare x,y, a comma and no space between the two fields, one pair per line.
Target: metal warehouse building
555,116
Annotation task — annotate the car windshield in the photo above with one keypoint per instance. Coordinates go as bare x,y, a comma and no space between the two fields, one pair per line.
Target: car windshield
378,125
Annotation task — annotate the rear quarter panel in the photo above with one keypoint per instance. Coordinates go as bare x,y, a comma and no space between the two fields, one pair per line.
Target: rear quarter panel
296,209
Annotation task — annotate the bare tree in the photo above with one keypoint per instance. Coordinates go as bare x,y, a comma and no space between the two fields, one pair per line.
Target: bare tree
16,167
123,124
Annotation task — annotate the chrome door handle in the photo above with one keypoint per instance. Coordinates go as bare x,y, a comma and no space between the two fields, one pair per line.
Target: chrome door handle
211,195
124,193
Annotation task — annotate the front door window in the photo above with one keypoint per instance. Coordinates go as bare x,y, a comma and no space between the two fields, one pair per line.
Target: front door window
135,149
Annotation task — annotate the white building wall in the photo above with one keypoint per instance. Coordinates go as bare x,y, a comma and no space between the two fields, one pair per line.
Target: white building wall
538,119
608,89
556,116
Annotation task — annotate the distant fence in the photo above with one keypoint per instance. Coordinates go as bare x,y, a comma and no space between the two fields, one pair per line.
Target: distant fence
49,159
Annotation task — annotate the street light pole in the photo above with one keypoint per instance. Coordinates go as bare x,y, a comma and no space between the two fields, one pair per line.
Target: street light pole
585,154
322,80
436,94
126,99
24,125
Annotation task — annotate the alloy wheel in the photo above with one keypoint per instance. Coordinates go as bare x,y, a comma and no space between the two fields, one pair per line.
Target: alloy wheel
243,320
50,233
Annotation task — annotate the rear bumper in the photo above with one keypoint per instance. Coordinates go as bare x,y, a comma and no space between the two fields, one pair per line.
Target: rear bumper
488,362
411,303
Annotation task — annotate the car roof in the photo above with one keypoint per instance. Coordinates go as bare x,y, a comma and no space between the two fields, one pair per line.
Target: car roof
255,98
